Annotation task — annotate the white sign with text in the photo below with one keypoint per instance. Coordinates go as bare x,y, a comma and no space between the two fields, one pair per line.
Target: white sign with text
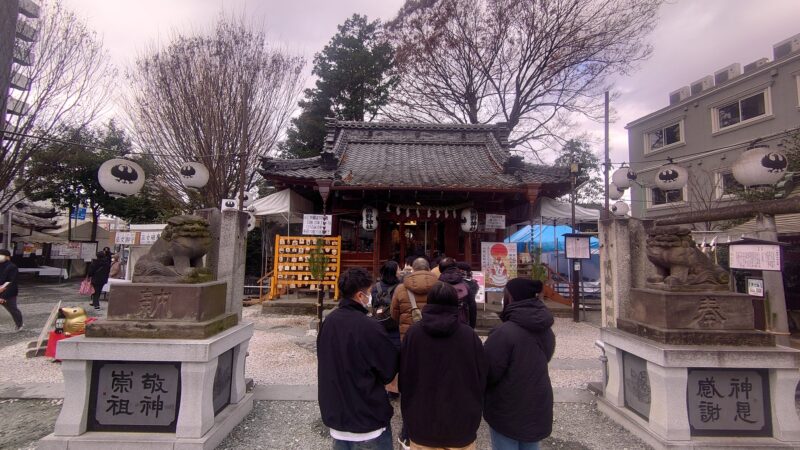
495,221
755,257
317,224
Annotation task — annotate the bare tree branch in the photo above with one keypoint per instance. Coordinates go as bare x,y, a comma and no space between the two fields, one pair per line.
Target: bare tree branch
70,84
222,99
530,63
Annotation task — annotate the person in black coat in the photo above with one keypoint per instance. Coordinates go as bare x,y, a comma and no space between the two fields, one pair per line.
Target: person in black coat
519,396
451,274
355,359
442,375
98,272
9,289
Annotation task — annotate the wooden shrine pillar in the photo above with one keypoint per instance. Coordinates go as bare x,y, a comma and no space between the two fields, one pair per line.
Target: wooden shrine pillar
376,249
401,227
468,248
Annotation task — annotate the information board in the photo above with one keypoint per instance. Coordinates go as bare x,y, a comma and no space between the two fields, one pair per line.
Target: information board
125,238
728,402
88,251
495,221
149,237
317,224
755,287
755,257
577,247
133,396
66,250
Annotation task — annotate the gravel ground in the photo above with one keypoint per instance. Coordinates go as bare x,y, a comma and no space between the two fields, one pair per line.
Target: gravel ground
26,421
296,425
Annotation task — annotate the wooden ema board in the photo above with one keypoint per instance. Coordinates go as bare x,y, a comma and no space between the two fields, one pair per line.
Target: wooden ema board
292,270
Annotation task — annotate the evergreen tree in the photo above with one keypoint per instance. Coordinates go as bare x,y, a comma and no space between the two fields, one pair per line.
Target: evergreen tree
590,179
353,81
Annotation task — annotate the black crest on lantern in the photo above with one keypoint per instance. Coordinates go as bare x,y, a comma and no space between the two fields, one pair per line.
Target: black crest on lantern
124,173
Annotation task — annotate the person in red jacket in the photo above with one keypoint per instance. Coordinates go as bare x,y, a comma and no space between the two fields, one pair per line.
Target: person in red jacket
519,396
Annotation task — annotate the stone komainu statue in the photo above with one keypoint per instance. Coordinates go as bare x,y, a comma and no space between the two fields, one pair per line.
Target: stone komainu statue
177,256
680,263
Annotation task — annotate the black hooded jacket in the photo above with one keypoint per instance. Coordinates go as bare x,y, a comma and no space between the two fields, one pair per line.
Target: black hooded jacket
442,379
355,359
453,276
519,396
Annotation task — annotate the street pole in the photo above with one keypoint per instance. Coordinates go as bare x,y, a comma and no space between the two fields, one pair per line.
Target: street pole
606,165
573,169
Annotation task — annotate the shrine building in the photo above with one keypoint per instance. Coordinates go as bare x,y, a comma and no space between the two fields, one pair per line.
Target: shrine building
400,189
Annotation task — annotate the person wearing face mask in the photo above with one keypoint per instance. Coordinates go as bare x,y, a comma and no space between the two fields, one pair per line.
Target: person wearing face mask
355,360
8,288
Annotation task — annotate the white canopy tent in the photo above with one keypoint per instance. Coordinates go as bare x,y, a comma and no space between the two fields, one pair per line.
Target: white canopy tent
283,206
551,211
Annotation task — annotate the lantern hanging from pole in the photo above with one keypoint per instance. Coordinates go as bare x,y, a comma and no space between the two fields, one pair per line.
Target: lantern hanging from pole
671,177
121,177
620,208
759,166
251,221
469,220
193,174
369,218
249,198
623,177
614,193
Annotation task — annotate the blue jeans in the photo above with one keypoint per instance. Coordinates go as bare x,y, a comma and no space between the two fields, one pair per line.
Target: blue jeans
502,442
382,442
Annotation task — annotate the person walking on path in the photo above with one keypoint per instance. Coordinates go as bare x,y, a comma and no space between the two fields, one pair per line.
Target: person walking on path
9,289
355,360
443,372
467,308
98,271
519,396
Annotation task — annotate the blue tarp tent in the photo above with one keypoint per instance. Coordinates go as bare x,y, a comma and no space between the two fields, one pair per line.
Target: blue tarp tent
546,236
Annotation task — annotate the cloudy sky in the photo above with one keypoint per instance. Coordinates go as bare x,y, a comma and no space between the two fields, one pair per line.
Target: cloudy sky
693,38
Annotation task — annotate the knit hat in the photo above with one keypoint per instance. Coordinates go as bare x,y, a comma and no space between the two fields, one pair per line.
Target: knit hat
523,288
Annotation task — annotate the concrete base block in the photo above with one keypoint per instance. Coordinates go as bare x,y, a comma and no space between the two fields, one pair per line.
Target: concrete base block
665,373
196,425
223,424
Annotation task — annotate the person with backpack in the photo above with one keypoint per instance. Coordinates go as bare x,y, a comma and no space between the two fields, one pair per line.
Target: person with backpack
355,360
519,395
409,299
467,308
443,372
382,294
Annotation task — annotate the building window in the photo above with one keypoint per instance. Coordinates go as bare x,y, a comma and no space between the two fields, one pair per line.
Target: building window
727,186
660,198
743,110
664,137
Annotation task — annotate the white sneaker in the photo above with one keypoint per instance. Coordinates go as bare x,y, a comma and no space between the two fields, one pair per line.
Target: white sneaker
19,328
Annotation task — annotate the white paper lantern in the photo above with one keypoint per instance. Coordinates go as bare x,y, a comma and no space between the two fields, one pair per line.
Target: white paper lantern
369,218
438,213
249,198
671,177
229,204
469,220
193,174
620,208
623,177
251,221
760,166
120,177
613,192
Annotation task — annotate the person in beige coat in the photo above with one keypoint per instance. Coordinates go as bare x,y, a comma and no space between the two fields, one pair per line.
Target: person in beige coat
419,281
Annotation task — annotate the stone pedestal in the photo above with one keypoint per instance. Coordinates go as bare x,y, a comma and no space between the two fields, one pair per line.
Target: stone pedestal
115,384
165,310
682,396
693,318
